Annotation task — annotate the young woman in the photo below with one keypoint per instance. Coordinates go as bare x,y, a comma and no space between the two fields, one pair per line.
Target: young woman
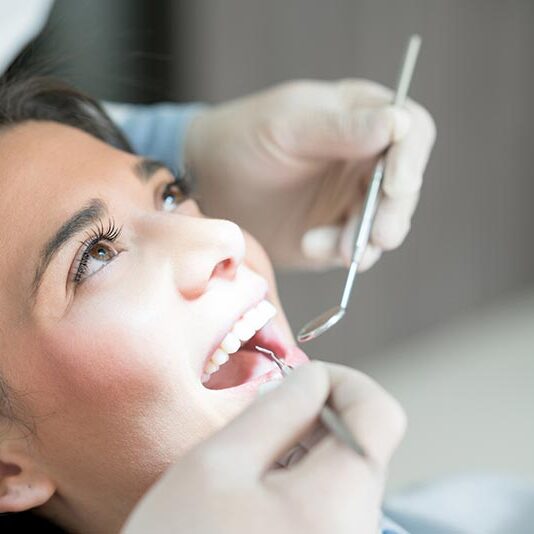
128,319
127,331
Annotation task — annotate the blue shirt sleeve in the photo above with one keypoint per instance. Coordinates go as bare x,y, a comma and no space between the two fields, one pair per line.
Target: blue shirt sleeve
156,130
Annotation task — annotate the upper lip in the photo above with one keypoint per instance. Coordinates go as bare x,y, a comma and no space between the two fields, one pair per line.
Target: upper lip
222,333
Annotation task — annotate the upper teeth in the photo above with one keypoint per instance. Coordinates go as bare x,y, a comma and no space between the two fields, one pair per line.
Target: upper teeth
243,330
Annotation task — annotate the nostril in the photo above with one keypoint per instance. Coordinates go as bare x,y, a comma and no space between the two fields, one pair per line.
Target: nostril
224,269
7,470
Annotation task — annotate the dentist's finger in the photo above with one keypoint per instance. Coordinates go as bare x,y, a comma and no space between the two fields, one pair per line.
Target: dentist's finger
335,132
374,417
409,153
393,220
361,401
271,425
361,92
333,245
346,244
322,243
407,158
371,255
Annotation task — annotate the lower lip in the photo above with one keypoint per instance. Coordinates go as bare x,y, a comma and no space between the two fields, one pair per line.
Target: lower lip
296,356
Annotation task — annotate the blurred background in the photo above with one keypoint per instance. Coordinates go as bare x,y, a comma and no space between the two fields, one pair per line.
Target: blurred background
446,322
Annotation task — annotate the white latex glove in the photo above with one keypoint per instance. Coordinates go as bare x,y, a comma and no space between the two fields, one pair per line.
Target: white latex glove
228,484
291,165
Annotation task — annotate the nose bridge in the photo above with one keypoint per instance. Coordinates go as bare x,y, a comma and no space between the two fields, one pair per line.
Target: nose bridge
201,249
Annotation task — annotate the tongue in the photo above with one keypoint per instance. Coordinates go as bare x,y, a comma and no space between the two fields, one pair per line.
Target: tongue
243,366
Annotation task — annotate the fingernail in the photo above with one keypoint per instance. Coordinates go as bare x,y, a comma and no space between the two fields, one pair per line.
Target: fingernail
402,123
268,386
320,242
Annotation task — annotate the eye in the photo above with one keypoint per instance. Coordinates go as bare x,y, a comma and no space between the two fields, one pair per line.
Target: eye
171,196
95,257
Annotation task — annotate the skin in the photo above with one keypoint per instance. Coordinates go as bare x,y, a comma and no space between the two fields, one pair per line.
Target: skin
107,371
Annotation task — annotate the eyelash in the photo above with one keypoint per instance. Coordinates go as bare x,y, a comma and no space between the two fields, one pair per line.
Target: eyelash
111,233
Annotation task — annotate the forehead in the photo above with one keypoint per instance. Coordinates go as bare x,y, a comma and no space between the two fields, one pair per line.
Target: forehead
42,154
48,171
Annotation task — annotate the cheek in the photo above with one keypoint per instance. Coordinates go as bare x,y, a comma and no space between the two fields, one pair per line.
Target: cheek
258,260
114,383
120,347
116,370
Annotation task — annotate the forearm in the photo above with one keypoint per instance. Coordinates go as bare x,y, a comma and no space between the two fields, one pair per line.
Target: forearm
158,130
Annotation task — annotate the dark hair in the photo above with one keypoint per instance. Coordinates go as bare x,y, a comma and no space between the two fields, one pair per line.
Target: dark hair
43,98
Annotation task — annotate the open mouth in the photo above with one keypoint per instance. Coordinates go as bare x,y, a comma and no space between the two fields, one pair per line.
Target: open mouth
236,362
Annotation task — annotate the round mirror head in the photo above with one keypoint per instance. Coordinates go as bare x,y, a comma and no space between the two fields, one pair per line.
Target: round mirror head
320,324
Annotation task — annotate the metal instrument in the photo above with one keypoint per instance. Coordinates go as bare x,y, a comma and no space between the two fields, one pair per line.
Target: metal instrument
330,317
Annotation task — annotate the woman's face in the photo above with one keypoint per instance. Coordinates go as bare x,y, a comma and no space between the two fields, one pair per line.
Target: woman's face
115,292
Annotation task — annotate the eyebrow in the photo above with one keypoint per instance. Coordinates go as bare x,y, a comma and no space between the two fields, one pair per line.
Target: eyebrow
83,218
96,209
146,168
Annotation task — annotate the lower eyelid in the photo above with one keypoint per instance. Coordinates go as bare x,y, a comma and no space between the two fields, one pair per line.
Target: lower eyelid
103,268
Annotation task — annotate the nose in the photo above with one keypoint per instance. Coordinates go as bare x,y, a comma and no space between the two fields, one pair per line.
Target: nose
203,250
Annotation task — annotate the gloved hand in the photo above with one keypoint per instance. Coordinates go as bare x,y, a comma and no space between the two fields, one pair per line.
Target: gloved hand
291,165
228,485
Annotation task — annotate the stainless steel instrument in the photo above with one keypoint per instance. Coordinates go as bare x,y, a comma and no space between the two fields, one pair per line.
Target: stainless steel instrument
330,317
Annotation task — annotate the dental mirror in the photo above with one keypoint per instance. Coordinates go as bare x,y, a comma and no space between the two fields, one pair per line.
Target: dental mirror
321,324
329,318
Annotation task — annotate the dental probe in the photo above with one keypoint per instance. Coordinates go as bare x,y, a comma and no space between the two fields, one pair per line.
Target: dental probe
330,317
327,416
